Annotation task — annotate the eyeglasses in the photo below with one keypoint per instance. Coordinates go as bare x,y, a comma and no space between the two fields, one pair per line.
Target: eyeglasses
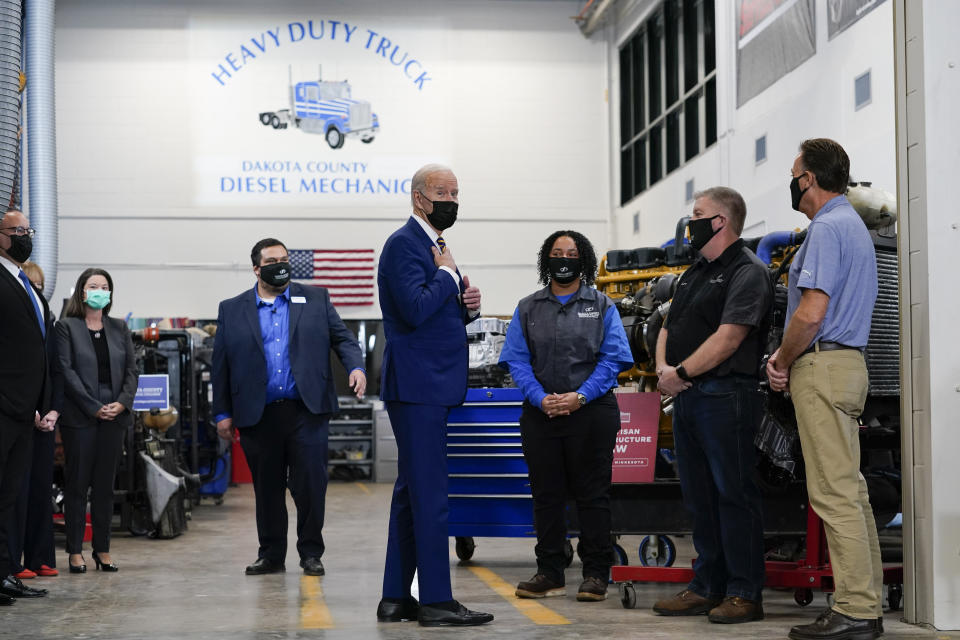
21,231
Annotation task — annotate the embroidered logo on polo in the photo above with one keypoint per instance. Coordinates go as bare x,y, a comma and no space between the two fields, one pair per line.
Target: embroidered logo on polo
588,312
718,279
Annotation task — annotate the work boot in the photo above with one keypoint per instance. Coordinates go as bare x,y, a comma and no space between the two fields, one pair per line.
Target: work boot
592,589
540,586
685,603
735,609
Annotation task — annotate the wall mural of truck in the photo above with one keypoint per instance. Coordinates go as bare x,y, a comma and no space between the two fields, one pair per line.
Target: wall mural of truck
328,109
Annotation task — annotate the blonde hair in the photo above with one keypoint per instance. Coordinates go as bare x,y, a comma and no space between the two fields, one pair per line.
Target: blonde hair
34,272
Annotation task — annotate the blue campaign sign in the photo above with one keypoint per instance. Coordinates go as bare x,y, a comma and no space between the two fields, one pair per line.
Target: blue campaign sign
153,392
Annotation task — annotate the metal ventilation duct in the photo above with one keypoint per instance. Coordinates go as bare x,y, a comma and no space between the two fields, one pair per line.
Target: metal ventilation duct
10,18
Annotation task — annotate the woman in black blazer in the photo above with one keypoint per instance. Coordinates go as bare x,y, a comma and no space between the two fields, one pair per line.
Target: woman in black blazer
100,381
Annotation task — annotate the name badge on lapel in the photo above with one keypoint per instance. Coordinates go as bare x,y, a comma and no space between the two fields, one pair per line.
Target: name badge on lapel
298,300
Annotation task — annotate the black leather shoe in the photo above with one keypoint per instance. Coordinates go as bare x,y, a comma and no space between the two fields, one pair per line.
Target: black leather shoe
393,610
833,625
5,600
262,566
11,586
312,566
104,566
462,617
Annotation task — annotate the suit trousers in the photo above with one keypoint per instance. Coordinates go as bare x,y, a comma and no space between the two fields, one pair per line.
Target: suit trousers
288,448
829,389
418,539
91,456
32,539
571,457
16,443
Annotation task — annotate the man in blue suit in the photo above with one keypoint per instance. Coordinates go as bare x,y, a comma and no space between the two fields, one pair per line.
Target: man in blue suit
272,380
426,305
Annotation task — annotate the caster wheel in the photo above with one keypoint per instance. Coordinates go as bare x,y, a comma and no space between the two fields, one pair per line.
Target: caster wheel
620,556
895,596
628,595
803,597
568,552
465,548
657,551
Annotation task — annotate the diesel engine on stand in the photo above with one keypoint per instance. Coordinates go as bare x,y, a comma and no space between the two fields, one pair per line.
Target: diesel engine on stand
642,283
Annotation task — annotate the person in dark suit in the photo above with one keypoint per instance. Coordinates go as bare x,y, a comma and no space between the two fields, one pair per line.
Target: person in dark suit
24,318
100,376
272,381
32,537
426,305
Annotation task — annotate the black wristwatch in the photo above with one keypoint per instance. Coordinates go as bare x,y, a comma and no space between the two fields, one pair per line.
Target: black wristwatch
683,373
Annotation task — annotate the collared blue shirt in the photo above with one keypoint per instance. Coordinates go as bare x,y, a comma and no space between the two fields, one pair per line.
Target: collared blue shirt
838,258
275,331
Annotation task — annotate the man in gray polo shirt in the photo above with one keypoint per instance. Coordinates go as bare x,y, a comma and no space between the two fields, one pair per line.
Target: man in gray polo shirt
832,290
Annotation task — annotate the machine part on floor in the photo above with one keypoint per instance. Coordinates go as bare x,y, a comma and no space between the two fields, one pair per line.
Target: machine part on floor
465,547
161,486
657,551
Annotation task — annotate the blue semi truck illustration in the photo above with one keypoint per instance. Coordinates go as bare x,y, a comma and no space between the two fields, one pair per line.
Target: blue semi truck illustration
326,108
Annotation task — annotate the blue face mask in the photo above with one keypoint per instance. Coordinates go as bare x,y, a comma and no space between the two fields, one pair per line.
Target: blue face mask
97,298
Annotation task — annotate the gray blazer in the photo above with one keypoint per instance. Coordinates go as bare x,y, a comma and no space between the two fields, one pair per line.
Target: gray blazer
78,360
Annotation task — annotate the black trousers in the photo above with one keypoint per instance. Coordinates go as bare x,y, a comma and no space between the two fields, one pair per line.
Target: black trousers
32,537
288,448
91,457
572,457
16,443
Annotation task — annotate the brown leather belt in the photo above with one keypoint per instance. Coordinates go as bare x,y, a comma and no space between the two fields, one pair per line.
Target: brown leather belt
829,346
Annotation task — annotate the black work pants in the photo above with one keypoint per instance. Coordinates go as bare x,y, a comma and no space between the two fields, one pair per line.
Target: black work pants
572,457
16,444
288,447
33,538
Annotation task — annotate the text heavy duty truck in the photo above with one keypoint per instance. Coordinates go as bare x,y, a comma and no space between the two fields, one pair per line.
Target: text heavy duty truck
325,108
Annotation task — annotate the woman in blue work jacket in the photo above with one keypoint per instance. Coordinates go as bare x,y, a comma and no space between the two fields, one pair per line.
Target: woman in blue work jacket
564,349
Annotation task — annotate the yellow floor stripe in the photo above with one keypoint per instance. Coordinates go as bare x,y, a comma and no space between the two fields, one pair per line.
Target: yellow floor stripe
530,608
364,487
314,613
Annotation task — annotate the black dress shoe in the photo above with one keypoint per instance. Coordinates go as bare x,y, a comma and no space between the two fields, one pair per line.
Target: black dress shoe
462,617
5,600
396,610
833,625
312,566
11,586
262,566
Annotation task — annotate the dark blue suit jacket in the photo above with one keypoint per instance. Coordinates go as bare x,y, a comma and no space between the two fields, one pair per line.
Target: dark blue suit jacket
425,358
240,366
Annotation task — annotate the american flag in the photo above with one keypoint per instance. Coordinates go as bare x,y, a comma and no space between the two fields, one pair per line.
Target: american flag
346,273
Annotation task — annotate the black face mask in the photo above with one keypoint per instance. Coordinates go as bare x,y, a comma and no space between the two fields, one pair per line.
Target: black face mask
444,213
796,194
20,248
564,270
276,274
701,231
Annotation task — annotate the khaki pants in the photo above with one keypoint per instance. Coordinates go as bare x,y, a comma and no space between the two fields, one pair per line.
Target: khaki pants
829,389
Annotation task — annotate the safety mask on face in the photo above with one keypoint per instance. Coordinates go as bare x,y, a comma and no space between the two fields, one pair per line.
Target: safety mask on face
444,213
564,270
20,248
701,231
796,194
276,274
97,298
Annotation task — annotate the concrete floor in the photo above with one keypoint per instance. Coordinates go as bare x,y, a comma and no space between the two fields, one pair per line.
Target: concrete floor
194,587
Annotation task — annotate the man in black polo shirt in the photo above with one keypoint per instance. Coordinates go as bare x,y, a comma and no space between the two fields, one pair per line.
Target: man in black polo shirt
708,359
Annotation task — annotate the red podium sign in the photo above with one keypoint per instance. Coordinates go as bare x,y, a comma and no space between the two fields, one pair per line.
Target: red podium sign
635,452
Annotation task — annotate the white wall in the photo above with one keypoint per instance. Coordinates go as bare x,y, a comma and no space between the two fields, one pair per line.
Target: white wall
516,106
814,100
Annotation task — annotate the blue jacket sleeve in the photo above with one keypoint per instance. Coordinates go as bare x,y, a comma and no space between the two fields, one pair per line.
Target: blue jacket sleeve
417,299
220,374
615,357
515,357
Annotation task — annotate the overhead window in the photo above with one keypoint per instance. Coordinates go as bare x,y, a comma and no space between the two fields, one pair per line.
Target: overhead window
668,97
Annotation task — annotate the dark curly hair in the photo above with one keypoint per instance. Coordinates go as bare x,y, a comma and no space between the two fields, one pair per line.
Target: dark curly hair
588,257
